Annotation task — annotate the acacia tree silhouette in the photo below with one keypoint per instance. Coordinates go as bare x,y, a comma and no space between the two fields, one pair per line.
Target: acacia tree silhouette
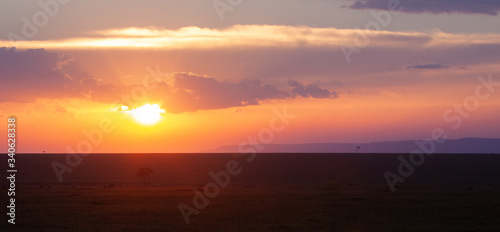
144,172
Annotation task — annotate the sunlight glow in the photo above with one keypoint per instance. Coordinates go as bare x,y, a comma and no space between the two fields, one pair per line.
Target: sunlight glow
147,114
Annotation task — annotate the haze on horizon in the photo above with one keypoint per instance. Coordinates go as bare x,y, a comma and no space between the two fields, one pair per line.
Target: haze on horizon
212,73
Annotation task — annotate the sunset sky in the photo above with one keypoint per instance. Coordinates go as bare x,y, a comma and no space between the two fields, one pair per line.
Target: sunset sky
217,71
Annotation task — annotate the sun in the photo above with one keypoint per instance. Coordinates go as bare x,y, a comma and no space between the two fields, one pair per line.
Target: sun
147,114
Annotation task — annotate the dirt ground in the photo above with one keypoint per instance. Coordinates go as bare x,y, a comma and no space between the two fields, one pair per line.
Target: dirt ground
335,206
264,198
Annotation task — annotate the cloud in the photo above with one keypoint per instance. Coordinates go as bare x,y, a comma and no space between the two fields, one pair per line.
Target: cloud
192,92
427,66
97,90
33,73
201,93
387,52
487,7
238,36
255,38
195,92
27,75
310,90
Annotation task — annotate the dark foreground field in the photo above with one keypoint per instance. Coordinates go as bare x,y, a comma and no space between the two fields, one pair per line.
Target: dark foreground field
273,192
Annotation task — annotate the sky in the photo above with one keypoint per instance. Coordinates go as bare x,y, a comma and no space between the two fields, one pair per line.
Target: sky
76,75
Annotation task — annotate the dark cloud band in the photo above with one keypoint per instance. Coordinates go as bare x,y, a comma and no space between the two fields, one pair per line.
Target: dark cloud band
487,7
427,66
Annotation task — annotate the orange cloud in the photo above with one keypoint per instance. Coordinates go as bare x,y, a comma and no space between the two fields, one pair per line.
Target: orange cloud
245,36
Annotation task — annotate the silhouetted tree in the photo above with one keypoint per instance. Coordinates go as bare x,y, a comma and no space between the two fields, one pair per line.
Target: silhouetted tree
144,172
357,149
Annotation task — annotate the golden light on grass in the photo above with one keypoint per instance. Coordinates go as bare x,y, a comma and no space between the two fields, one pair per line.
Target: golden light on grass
147,114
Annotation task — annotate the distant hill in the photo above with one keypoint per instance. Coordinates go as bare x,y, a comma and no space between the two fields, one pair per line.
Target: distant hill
465,145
